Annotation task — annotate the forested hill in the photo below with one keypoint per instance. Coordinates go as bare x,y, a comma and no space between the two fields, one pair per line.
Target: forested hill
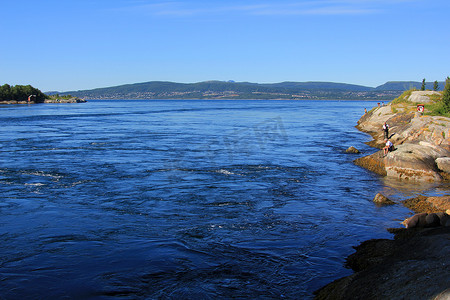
245,90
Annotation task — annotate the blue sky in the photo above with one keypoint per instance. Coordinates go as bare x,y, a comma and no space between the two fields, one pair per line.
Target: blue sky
83,44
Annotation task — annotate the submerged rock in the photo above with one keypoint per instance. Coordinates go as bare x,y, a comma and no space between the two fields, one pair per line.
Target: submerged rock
352,150
382,200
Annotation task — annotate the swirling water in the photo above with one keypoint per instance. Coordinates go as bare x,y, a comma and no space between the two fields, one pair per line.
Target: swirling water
183,199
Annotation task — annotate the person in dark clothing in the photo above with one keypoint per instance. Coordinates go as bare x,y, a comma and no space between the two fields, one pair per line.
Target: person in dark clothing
386,130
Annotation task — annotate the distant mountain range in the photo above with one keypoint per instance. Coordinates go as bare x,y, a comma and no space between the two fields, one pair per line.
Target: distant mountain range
248,90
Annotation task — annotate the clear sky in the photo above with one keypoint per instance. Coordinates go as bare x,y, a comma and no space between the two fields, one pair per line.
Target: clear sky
82,44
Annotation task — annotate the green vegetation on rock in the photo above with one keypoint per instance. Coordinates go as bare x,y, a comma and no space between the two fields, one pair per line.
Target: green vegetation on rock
446,96
439,103
436,86
403,98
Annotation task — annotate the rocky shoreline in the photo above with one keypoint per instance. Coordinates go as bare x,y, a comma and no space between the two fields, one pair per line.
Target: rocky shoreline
422,143
71,100
415,264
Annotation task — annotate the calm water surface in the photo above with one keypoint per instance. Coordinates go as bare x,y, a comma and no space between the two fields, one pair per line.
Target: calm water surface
183,199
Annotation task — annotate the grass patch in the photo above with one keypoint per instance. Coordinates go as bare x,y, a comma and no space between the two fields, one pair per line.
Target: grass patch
435,97
403,98
436,109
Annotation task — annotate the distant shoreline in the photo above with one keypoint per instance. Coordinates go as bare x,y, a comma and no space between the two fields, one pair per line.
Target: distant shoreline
213,89
72,100
142,100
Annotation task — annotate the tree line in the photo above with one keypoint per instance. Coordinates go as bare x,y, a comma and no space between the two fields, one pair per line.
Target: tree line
435,85
20,93
446,96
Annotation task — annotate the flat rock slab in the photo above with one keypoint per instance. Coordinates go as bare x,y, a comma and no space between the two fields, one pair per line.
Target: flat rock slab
422,96
412,162
443,164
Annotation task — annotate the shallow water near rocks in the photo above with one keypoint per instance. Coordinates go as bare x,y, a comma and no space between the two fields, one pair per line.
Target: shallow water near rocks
184,199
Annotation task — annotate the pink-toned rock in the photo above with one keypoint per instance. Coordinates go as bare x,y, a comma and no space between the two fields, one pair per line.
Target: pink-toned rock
418,220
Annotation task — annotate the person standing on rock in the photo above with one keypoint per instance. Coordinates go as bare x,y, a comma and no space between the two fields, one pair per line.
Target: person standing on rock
386,130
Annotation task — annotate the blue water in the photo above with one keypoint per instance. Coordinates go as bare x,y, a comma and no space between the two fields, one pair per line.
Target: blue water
183,199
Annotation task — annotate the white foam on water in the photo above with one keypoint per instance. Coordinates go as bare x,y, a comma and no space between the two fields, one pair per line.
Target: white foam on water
225,172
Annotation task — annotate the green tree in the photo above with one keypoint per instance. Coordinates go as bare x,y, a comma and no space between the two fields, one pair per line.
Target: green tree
446,95
423,85
5,92
436,86
20,93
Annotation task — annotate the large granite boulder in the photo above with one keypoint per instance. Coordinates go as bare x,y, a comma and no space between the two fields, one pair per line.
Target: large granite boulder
422,96
413,162
443,164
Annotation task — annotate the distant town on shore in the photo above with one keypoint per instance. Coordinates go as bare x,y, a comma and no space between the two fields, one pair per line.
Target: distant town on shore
247,90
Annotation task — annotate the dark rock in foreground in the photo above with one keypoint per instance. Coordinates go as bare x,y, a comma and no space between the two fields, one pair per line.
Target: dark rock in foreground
414,265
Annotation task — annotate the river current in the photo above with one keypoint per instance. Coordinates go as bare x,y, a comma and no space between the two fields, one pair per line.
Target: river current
183,199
